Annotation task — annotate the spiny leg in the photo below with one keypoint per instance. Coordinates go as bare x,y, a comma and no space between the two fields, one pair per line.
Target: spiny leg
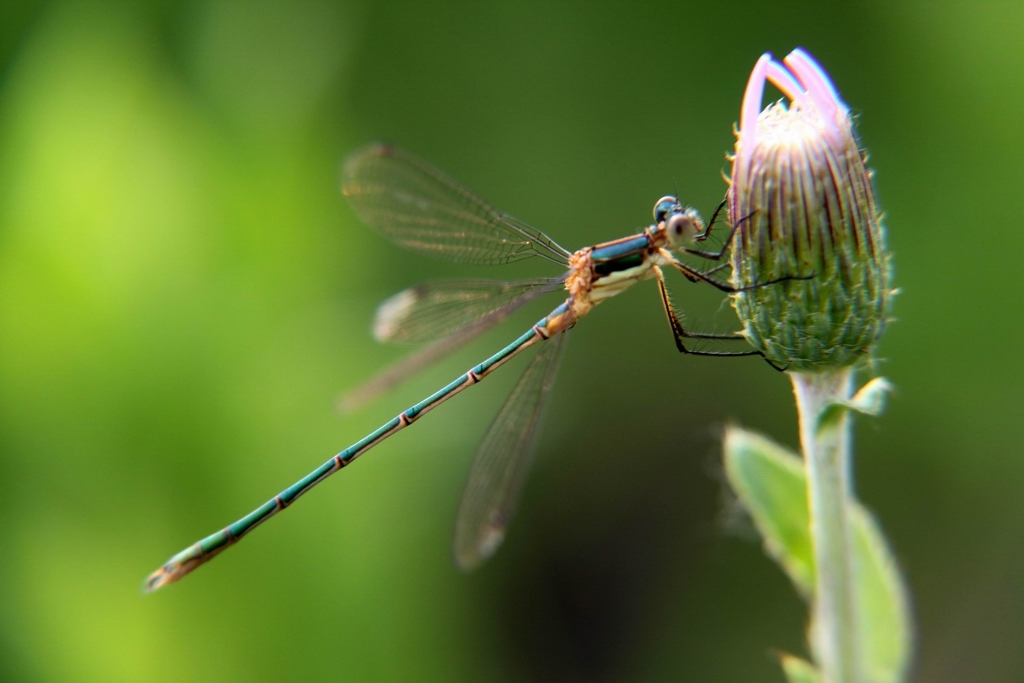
719,267
717,255
692,274
700,237
680,333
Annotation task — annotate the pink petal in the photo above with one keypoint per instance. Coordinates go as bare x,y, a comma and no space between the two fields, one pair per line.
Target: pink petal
819,86
785,82
750,108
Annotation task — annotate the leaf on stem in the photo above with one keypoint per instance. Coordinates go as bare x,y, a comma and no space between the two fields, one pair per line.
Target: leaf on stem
870,400
770,482
799,670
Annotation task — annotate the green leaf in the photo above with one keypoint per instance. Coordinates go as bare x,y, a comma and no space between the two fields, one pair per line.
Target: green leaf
886,630
870,400
799,670
769,480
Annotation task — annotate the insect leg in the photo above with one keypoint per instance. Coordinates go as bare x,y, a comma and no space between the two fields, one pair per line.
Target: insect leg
681,334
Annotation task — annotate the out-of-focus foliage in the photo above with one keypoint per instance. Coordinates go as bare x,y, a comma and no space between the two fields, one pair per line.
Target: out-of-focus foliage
184,294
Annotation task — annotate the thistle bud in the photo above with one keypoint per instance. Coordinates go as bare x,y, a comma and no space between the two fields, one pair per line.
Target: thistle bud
805,206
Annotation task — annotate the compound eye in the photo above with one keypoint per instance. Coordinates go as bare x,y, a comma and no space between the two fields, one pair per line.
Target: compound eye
663,207
681,227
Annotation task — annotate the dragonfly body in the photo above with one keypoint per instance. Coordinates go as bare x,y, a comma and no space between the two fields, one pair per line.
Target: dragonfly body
184,562
605,270
424,210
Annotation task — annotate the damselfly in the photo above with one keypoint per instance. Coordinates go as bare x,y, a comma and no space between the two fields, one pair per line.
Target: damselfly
422,209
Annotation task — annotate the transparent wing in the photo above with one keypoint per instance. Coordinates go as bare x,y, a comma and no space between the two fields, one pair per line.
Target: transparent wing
405,368
460,326
499,468
420,208
437,309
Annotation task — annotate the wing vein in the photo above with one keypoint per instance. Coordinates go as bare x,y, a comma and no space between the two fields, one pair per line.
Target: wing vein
421,208
503,459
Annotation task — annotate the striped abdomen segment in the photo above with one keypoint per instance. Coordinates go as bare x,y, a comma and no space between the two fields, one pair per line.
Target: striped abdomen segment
184,562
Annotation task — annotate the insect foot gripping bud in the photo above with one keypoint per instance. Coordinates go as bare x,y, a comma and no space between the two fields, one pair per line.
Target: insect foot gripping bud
803,199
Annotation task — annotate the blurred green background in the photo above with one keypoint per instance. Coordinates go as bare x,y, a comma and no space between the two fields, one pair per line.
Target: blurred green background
184,294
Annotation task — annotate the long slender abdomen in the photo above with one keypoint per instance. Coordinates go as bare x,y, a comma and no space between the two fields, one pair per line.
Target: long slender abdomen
187,560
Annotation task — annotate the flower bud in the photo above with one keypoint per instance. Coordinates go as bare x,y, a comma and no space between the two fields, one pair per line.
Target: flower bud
805,206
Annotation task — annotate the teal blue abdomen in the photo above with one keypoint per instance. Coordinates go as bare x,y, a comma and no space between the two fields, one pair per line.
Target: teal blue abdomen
614,257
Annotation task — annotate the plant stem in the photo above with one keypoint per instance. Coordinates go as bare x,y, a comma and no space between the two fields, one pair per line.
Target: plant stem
826,448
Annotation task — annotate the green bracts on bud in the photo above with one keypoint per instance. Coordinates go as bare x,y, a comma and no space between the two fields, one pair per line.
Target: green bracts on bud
804,201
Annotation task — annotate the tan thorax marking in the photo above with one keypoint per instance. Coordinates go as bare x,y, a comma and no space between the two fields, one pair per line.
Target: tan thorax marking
580,282
587,289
